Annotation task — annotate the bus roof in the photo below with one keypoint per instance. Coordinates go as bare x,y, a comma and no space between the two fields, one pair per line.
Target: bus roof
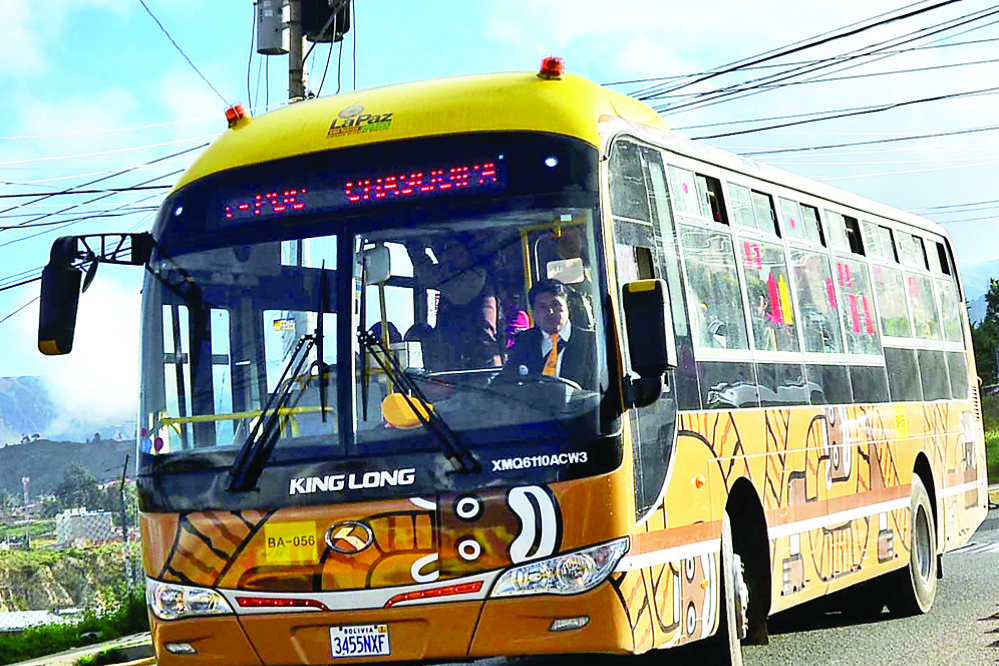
571,106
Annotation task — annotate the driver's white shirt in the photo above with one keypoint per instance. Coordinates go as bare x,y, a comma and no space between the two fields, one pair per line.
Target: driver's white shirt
546,345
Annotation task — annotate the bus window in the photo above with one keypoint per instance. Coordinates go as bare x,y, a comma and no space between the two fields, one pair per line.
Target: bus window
770,308
817,302
710,193
879,241
933,372
790,218
950,311
912,252
836,226
763,206
857,310
810,221
714,295
742,206
889,289
925,314
629,196
957,365
904,383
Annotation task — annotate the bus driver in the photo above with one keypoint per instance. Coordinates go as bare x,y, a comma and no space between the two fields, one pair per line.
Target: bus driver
554,346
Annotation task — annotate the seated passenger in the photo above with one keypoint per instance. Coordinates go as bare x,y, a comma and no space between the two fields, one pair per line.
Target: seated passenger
467,314
554,346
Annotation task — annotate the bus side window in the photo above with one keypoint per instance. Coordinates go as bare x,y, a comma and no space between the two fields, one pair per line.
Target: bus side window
770,309
715,298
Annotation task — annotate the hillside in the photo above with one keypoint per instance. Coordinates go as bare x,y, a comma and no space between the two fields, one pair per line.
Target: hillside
44,462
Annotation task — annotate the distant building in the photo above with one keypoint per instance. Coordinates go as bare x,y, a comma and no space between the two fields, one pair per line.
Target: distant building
82,525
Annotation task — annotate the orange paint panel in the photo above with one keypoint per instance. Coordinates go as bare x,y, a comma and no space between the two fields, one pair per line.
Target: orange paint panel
220,641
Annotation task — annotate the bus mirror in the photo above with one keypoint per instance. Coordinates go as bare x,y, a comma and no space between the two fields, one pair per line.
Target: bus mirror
60,297
377,265
566,271
649,327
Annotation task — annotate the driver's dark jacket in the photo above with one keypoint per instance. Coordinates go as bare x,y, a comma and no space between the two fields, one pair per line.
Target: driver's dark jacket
579,356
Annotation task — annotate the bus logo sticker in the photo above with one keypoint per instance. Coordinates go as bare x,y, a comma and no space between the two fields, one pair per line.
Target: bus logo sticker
353,120
540,523
291,543
349,537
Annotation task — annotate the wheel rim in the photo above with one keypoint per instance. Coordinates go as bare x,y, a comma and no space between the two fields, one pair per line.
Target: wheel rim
921,544
741,593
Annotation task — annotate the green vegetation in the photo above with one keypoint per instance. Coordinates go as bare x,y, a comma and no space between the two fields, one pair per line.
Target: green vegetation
129,617
992,454
33,529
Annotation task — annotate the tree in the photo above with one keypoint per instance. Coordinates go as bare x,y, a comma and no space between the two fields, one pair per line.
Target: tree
985,335
78,488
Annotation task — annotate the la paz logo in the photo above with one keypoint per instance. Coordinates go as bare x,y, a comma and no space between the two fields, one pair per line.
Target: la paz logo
353,120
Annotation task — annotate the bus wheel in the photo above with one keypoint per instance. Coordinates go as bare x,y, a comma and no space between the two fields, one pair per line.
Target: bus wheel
911,591
725,647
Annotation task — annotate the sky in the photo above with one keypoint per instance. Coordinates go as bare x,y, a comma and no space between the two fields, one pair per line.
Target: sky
94,88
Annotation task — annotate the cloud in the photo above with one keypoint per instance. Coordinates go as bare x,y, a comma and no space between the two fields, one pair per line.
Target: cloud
28,30
99,380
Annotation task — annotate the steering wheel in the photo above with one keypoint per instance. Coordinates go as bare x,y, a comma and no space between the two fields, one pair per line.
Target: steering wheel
534,379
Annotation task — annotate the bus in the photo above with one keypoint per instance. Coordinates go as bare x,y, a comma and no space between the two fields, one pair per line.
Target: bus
772,394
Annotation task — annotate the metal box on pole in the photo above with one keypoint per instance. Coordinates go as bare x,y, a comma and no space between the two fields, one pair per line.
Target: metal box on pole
272,35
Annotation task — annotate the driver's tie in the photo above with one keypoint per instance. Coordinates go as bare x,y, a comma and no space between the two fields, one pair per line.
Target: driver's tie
551,363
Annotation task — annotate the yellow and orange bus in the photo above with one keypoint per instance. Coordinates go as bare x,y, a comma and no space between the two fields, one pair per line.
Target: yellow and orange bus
338,461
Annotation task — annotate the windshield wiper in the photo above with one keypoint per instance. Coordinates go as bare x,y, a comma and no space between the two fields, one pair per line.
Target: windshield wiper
455,451
264,435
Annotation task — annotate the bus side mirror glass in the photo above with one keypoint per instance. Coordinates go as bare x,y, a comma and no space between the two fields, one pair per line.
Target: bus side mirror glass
60,298
649,327
651,346
377,265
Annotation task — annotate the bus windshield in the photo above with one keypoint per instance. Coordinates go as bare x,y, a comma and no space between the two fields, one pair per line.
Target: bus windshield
228,329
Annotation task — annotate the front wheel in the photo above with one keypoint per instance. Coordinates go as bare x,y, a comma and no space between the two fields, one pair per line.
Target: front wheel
911,591
725,647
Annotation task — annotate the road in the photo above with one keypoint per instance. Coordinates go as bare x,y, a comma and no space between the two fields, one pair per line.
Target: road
961,629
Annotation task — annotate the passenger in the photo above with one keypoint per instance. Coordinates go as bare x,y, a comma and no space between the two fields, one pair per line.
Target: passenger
466,333
570,243
554,346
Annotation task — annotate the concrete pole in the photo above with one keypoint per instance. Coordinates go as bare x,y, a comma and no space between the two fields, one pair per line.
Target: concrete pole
296,74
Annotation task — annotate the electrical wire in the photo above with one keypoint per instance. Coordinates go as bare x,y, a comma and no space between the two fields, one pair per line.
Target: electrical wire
181,51
801,45
102,153
249,57
353,12
137,188
884,107
747,88
989,128
19,309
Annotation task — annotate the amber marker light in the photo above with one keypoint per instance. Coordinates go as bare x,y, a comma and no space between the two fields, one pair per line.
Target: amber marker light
234,113
699,481
552,67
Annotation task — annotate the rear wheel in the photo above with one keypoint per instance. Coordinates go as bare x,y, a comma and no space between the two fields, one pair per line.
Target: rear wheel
911,591
725,648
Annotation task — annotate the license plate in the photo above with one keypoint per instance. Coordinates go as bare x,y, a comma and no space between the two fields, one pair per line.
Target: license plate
360,640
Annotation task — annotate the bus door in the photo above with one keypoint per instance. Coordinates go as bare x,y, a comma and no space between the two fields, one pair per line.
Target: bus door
645,247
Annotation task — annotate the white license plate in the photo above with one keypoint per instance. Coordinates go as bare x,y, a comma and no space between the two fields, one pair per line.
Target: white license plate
360,640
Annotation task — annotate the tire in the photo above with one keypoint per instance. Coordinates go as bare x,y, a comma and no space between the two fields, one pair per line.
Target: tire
911,591
724,647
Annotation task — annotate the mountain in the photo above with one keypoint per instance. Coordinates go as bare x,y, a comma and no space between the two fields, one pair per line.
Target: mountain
27,412
975,279
44,462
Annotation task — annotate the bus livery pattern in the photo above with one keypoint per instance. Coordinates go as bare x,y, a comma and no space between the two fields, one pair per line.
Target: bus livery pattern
836,460
414,541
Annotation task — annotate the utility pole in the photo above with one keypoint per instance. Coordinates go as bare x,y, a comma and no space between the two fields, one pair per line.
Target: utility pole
296,73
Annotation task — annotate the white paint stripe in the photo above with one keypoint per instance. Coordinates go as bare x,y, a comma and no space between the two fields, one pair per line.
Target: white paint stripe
656,557
837,518
957,490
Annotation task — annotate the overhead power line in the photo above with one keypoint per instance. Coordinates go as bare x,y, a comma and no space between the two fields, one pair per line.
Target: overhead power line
181,51
137,188
796,47
989,128
877,109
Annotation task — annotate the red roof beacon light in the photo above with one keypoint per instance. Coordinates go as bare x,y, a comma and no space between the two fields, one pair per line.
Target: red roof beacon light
234,113
552,67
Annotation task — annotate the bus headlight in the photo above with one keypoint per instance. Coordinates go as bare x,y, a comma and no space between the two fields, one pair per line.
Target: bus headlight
566,574
171,602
